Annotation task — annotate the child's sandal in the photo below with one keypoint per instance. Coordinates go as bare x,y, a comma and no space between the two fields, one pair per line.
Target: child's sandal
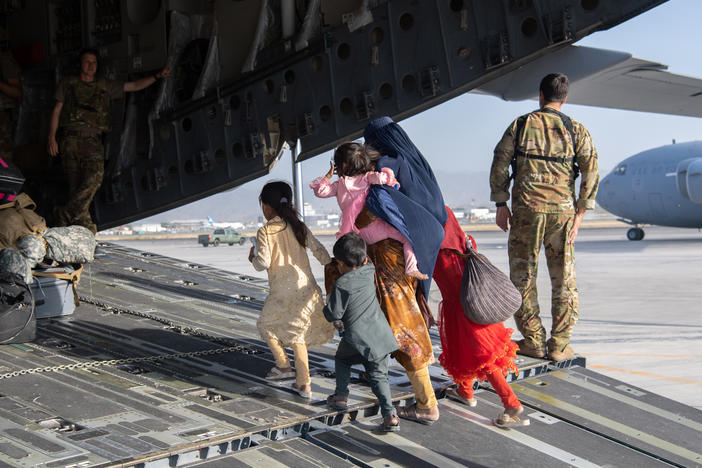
391,423
506,421
337,402
276,374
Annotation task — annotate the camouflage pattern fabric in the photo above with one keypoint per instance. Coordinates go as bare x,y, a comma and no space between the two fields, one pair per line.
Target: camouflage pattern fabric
528,232
545,186
72,244
32,248
83,164
11,261
86,104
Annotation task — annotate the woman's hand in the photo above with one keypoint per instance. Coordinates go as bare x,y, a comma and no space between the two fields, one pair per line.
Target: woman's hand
251,253
329,174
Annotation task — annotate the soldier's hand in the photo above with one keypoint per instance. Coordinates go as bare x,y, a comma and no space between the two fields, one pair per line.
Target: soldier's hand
165,73
503,218
52,147
573,233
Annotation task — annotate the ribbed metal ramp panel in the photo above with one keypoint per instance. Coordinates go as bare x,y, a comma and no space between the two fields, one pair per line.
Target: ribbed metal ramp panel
162,366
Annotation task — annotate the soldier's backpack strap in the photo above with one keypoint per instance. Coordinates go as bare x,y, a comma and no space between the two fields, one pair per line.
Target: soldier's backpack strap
567,123
73,278
517,135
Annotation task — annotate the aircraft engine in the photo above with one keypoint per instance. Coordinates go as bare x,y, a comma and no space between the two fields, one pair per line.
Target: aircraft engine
689,179
694,180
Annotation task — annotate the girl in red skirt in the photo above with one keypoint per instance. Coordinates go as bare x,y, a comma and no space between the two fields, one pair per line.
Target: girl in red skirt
472,351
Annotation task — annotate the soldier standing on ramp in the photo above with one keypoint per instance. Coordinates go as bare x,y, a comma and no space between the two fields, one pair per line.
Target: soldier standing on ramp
546,150
86,117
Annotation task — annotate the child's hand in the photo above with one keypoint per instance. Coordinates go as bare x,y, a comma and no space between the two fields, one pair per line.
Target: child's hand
251,253
338,324
331,170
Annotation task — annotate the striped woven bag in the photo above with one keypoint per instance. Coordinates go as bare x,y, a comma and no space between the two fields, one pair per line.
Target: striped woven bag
487,295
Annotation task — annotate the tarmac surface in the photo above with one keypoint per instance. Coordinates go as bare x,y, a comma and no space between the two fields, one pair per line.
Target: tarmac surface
640,302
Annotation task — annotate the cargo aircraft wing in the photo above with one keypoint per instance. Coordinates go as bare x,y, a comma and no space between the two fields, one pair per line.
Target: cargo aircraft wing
605,78
246,81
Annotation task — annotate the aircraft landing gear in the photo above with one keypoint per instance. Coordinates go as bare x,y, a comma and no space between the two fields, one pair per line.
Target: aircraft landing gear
635,234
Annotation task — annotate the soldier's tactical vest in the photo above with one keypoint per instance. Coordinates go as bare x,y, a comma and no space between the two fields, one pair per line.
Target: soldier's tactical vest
521,121
86,105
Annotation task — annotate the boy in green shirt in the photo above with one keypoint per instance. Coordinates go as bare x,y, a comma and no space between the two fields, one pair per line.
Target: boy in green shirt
367,338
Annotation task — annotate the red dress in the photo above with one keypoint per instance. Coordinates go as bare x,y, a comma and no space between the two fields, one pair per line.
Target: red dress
469,350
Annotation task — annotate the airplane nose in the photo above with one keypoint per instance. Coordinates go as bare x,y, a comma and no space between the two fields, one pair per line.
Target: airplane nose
606,193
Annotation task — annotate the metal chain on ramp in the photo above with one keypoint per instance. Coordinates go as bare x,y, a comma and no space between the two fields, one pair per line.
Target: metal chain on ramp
173,326
117,362
232,346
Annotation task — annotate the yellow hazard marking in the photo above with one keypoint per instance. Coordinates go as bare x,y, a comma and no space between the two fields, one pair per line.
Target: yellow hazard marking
648,374
611,424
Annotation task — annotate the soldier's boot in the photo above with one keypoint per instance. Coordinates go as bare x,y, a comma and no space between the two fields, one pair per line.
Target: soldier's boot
528,348
559,353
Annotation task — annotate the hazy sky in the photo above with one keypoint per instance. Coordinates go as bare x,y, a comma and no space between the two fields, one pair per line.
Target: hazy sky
459,135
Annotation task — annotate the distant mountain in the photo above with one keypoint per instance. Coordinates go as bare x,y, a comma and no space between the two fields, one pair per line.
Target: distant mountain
465,190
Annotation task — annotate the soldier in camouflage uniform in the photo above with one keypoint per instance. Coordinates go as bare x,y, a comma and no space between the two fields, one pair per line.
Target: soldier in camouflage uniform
546,150
82,111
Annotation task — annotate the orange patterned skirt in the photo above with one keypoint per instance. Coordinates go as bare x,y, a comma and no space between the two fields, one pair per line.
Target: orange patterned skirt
396,294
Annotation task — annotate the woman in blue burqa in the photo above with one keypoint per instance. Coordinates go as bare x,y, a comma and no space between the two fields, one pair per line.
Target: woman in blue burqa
417,210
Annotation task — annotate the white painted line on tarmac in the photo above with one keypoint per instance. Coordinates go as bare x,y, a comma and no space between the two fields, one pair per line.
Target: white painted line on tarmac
520,437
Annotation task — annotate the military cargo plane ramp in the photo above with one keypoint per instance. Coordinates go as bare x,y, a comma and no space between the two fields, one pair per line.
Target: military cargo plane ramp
161,366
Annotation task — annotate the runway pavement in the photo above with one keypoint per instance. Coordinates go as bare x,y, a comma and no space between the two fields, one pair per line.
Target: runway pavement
640,302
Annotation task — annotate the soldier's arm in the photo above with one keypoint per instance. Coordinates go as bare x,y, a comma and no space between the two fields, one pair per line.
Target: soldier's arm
499,172
138,85
12,88
52,145
586,156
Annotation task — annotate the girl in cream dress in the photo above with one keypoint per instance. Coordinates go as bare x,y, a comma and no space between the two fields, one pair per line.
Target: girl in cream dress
292,313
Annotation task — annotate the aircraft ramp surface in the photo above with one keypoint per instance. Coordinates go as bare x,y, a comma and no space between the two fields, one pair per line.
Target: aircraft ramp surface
162,366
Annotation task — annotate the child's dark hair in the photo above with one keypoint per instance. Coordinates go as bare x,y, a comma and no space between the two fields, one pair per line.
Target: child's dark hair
353,159
278,195
350,249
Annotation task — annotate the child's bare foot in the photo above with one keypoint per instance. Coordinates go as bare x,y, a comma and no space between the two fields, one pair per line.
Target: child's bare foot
417,274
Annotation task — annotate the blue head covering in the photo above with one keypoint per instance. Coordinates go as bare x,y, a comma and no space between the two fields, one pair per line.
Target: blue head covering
374,126
417,210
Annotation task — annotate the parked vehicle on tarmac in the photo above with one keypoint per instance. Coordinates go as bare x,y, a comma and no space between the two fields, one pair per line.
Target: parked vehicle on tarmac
221,236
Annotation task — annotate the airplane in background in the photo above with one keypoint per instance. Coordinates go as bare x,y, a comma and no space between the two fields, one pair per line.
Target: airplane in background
661,186
213,224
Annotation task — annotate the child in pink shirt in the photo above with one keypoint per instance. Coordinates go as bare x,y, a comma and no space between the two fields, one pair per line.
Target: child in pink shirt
355,168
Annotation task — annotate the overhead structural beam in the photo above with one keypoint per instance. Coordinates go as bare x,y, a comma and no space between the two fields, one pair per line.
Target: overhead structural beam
410,57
